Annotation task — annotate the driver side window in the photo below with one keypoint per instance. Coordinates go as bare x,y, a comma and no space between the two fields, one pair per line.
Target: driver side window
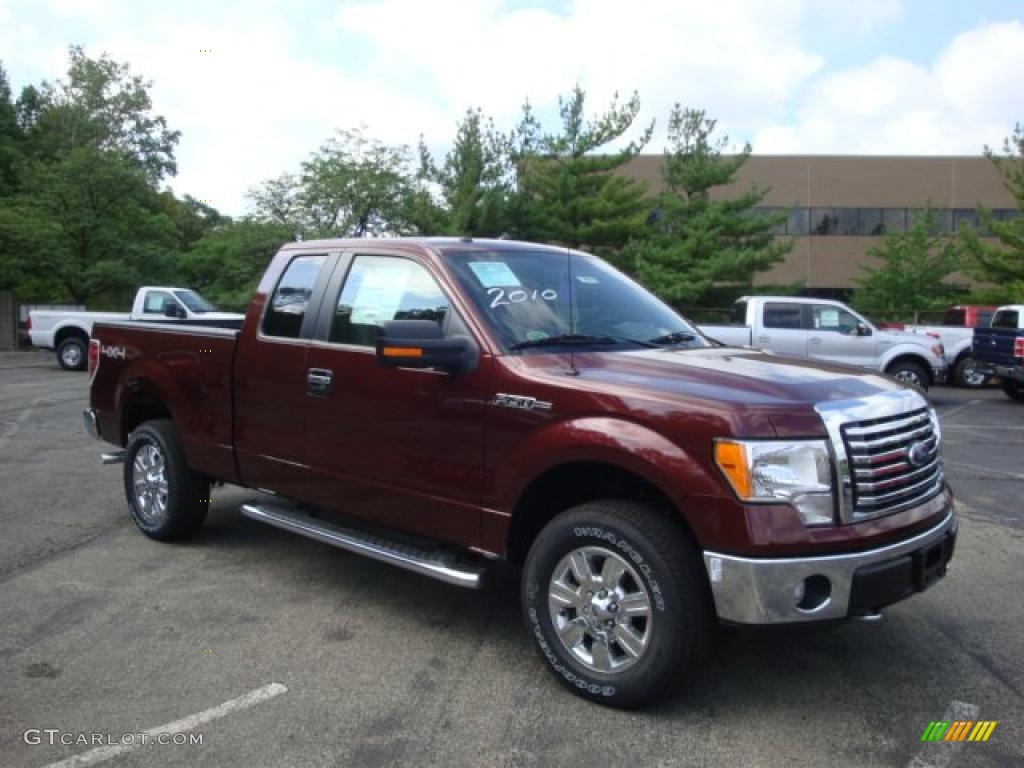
382,288
828,318
156,301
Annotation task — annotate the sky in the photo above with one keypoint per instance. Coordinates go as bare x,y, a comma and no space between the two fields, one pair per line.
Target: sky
256,86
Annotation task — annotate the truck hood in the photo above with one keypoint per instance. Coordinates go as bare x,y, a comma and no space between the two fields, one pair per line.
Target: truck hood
733,379
740,375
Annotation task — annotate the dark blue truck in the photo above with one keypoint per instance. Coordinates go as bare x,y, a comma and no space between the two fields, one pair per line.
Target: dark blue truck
999,349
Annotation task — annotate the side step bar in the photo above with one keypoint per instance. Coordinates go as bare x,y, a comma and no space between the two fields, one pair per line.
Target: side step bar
439,565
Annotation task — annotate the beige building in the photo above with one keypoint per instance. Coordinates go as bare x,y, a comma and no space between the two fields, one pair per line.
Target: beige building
840,206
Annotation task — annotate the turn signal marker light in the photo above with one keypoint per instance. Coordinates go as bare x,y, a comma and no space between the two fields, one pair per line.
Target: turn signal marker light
731,459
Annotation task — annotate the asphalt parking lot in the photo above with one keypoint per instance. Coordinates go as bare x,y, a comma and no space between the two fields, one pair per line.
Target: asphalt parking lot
283,651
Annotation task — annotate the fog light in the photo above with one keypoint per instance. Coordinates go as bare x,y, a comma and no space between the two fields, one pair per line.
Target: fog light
812,593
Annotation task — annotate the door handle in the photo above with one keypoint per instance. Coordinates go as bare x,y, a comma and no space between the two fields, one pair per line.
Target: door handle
814,340
764,339
318,381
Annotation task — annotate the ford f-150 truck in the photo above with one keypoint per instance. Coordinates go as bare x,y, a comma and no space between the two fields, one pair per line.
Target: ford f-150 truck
821,329
441,403
68,331
999,349
956,333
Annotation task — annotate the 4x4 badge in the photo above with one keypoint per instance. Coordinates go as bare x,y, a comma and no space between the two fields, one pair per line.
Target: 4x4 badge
520,402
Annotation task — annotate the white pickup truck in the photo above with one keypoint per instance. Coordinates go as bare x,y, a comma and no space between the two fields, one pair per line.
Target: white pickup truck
830,331
68,332
957,334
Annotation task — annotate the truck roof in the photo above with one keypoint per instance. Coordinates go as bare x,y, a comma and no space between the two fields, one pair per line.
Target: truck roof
435,244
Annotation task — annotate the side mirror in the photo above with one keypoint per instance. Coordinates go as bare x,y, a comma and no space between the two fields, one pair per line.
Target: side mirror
863,330
173,310
422,344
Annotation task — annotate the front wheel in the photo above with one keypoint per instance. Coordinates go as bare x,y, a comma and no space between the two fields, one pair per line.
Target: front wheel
1014,390
617,603
909,373
167,499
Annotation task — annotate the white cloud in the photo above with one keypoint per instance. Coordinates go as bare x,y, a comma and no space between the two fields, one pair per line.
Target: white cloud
265,97
968,97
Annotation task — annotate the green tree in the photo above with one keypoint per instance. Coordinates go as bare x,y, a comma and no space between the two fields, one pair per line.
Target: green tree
10,138
1002,264
476,179
352,186
86,222
915,266
568,190
227,263
697,241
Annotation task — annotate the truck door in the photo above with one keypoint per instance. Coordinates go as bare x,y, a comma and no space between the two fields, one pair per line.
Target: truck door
834,337
270,376
397,446
781,329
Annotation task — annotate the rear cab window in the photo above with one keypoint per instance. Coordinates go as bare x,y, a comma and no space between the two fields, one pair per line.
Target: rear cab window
1006,318
783,316
289,304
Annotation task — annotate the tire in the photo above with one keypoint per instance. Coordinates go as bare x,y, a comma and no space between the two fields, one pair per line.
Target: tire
645,652
72,354
965,373
910,373
1014,390
167,500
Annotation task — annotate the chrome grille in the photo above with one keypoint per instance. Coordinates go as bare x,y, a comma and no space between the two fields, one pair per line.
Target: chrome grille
893,462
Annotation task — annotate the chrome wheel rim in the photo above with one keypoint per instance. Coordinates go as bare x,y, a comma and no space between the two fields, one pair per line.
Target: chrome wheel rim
972,376
149,480
908,377
600,609
71,356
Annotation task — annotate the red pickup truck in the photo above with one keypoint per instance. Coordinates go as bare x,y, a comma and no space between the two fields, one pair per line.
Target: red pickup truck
441,403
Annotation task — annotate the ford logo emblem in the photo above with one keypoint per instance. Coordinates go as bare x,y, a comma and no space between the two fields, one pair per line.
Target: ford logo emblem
919,453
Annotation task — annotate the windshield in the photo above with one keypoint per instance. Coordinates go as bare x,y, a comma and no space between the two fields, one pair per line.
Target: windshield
524,297
195,302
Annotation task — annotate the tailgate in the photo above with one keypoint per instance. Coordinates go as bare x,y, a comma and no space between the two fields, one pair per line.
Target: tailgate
996,345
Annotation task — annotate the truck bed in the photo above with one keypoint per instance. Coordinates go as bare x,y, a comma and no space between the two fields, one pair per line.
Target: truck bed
191,366
996,345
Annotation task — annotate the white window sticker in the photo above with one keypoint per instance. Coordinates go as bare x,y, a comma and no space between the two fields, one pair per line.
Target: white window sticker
829,318
380,295
493,274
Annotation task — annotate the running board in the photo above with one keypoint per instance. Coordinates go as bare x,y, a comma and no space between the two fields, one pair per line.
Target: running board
439,565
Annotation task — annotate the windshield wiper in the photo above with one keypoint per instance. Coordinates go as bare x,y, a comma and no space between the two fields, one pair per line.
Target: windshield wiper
565,340
676,337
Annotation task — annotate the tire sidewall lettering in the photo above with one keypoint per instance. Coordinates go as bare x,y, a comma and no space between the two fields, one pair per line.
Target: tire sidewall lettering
628,550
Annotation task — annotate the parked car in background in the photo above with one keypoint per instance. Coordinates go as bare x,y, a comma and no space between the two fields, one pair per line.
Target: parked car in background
826,330
957,336
440,403
68,331
999,349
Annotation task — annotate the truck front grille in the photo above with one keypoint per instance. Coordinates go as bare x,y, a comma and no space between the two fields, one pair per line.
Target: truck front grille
894,463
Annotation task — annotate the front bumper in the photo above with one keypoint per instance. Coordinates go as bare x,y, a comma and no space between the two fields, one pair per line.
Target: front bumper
767,590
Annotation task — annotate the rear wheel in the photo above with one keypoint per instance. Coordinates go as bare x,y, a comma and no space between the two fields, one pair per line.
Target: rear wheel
71,354
616,600
909,372
167,499
966,373
1014,390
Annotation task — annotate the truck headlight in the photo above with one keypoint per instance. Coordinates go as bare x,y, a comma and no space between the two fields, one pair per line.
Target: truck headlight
795,472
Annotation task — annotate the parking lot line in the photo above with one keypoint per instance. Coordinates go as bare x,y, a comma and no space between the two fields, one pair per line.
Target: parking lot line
952,411
184,725
16,424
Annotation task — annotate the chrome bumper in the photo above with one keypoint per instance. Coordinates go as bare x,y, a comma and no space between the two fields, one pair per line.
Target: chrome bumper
764,590
91,425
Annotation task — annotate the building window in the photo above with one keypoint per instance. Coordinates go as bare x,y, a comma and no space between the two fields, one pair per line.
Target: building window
894,220
869,222
823,221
